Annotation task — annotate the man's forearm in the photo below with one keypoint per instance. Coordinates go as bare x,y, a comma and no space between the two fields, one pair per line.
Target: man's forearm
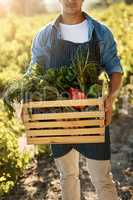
115,85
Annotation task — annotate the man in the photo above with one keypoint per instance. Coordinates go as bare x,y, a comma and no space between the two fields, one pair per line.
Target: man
55,45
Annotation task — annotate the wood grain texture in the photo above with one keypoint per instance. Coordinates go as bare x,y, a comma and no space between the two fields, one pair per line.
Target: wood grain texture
68,127
62,103
66,140
64,124
67,115
78,131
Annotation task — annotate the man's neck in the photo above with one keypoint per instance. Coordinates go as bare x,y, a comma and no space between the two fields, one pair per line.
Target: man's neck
72,19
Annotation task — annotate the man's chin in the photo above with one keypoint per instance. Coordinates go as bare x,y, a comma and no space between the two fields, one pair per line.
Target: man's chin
71,12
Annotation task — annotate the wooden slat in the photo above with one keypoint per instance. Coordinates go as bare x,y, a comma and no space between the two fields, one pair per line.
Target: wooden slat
75,123
25,114
68,115
101,107
67,135
81,131
62,103
66,140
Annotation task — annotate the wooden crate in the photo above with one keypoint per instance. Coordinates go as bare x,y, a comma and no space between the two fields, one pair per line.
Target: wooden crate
65,127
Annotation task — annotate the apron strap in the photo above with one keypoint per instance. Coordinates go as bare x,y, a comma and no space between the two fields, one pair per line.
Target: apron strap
94,49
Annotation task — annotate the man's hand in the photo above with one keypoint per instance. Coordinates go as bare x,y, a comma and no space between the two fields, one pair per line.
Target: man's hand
114,87
108,104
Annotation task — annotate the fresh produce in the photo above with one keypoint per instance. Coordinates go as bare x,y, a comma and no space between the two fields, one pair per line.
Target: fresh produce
79,80
76,94
67,82
95,90
86,72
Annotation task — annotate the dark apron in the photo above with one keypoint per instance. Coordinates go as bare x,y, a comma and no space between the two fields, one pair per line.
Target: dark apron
62,54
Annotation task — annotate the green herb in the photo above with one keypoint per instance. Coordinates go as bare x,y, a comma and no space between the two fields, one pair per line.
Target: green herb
87,73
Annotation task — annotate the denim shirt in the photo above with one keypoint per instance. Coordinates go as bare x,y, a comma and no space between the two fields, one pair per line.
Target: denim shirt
42,45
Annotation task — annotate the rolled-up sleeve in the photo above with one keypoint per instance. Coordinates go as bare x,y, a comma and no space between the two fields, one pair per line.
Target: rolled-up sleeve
39,50
110,59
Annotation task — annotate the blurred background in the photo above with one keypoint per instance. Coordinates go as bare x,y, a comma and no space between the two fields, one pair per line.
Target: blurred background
22,171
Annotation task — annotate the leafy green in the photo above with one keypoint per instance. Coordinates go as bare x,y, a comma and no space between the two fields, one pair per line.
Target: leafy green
40,84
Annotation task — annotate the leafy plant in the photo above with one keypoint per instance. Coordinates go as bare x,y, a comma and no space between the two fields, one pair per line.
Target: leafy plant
12,162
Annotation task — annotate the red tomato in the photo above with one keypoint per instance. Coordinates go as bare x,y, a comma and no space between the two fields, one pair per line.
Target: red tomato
76,94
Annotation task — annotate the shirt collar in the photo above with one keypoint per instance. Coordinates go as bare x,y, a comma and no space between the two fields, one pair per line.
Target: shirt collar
89,20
